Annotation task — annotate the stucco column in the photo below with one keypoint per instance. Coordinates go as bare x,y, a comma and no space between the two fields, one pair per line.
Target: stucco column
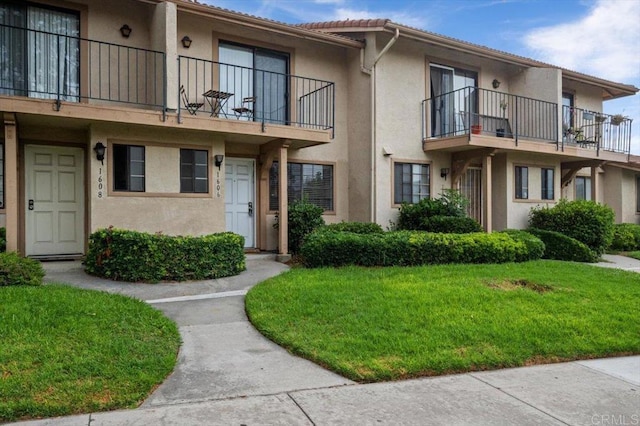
595,183
11,180
487,192
164,38
283,196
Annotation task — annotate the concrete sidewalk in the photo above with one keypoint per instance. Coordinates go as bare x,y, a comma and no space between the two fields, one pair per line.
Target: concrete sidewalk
227,373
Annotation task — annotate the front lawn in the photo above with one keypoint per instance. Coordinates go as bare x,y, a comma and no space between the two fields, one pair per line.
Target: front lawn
65,351
374,324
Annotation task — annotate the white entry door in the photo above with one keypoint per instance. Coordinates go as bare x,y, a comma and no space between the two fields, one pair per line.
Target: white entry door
54,197
239,198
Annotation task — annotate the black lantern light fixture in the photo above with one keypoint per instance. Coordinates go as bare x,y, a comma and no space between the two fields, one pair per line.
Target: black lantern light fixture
218,160
443,173
186,42
99,149
495,83
125,30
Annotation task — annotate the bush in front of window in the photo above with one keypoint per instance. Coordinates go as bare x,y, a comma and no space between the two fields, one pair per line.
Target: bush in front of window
451,225
626,237
355,227
304,218
413,217
142,257
558,246
407,248
534,245
585,221
17,270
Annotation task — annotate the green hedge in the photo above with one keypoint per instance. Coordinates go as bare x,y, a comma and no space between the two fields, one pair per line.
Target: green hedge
561,247
451,225
17,270
626,237
585,221
355,227
137,256
534,245
408,248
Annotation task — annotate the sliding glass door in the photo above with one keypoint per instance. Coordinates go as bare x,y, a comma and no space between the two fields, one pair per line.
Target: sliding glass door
454,100
258,80
40,52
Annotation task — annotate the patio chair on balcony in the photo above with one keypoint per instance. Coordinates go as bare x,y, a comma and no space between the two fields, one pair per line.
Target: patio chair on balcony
192,107
246,108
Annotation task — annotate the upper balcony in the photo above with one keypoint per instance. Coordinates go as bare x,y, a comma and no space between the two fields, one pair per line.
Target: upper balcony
94,80
475,117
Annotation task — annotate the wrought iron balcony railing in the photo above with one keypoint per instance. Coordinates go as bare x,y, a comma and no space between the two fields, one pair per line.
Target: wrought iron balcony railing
481,111
472,110
45,65
247,94
596,130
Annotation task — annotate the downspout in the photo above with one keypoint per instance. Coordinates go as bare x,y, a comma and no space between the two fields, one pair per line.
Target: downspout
372,73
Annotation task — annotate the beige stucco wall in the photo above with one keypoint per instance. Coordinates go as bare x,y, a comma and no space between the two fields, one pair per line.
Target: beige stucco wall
161,208
620,193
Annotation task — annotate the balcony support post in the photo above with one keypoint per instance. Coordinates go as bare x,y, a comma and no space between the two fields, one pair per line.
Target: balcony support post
283,198
487,191
11,185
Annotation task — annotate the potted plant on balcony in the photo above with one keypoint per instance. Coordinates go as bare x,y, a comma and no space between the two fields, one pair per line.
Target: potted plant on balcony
617,119
501,131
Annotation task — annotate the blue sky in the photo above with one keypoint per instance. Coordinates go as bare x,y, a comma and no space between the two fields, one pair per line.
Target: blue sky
596,37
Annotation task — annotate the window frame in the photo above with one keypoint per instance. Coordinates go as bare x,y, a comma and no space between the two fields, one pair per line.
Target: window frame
128,162
637,194
193,178
544,183
2,175
394,198
521,191
584,185
274,196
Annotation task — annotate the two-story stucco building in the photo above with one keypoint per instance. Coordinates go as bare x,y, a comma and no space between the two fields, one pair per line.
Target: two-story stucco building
177,117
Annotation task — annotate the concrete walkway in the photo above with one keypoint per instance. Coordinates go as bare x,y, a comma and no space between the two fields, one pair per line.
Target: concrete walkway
620,262
227,373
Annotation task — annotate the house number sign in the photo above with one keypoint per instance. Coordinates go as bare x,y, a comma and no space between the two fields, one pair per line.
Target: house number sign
218,184
100,182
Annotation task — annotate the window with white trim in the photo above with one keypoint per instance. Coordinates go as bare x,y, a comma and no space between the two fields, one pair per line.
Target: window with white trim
312,182
583,188
547,182
411,182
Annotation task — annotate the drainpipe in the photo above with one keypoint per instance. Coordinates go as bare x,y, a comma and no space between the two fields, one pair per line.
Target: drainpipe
372,73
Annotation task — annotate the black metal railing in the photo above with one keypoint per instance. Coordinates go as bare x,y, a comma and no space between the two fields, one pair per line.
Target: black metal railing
595,130
248,94
481,111
45,65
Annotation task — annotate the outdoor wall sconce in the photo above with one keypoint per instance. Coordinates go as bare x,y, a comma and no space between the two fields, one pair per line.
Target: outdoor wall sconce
125,30
218,160
99,149
186,42
444,173
495,83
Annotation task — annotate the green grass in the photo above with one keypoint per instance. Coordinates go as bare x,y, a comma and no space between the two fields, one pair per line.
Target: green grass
633,254
391,323
66,351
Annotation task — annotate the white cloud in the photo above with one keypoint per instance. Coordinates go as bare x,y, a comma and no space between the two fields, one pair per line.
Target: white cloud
605,42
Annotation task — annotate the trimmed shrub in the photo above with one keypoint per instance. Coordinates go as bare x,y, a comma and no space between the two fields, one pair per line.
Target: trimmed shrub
304,218
626,237
585,221
17,270
137,256
355,227
413,217
561,247
451,224
405,248
3,239
534,245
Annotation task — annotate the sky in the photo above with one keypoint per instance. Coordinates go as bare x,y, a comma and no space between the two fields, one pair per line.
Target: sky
595,37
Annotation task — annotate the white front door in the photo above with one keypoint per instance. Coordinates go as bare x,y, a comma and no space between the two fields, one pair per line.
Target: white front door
239,198
54,197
